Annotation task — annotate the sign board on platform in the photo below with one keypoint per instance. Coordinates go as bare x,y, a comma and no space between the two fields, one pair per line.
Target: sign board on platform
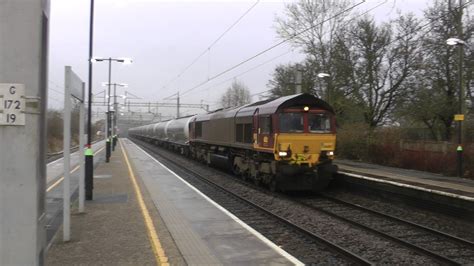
75,84
459,117
12,104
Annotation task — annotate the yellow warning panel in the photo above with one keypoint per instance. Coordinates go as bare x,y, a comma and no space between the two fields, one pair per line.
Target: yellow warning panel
458,117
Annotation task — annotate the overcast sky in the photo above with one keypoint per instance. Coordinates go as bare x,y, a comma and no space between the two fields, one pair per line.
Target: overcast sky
163,37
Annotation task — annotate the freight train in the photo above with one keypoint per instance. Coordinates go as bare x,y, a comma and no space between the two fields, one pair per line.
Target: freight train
285,143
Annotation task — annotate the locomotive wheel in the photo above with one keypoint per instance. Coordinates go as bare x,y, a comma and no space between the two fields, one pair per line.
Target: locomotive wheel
236,171
273,186
246,176
256,180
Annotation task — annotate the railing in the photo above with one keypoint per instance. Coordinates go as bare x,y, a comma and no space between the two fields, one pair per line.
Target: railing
443,147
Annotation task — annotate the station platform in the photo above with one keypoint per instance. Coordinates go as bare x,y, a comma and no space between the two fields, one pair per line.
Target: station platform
143,213
455,187
55,169
54,188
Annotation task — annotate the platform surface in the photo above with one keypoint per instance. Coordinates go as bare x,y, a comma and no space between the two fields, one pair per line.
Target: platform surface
448,186
143,214
112,231
204,233
54,189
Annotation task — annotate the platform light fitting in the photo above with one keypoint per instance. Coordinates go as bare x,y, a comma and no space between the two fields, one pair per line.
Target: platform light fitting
123,60
126,61
96,59
323,75
455,41
105,84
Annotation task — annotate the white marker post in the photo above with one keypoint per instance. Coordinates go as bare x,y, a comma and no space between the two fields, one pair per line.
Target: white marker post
74,87
81,157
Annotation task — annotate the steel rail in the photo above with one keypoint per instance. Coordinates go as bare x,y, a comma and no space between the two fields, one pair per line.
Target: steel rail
440,258
346,253
390,217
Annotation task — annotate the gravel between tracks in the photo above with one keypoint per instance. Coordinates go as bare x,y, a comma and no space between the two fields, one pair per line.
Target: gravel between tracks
438,221
372,247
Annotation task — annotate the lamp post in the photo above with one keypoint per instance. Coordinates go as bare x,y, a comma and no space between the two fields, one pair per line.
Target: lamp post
114,113
322,76
108,120
89,160
460,116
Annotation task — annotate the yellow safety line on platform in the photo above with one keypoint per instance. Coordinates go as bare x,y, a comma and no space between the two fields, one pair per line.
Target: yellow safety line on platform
72,171
160,255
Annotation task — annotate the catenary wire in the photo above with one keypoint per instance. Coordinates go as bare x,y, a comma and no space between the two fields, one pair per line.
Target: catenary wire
270,48
266,50
212,44
253,68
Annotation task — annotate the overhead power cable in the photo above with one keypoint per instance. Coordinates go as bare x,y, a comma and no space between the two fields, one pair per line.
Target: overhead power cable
60,92
271,48
57,86
290,38
417,30
253,68
268,61
212,44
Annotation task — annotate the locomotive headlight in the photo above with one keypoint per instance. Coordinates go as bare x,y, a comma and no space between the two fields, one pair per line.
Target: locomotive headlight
282,153
330,153
306,108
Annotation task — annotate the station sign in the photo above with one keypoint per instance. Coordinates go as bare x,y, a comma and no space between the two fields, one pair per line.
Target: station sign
74,84
459,117
12,104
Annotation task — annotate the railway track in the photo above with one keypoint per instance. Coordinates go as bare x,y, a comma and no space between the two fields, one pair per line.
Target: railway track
268,223
417,241
446,248
52,156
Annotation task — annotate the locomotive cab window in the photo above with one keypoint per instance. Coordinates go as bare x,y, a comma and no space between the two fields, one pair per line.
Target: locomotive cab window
265,125
198,129
319,123
239,133
248,129
291,122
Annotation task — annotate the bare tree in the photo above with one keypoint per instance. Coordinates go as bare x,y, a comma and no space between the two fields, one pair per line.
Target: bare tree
387,56
433,100
237,94
283,80
315,26
320,28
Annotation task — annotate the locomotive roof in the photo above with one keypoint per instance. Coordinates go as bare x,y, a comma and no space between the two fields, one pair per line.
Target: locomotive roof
293,100
269,106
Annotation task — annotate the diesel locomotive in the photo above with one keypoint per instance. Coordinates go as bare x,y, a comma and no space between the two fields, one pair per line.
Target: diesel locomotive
285,143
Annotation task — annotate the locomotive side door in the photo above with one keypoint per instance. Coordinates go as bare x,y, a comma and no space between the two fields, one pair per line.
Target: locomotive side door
263,128
265,134
191,131
255,129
